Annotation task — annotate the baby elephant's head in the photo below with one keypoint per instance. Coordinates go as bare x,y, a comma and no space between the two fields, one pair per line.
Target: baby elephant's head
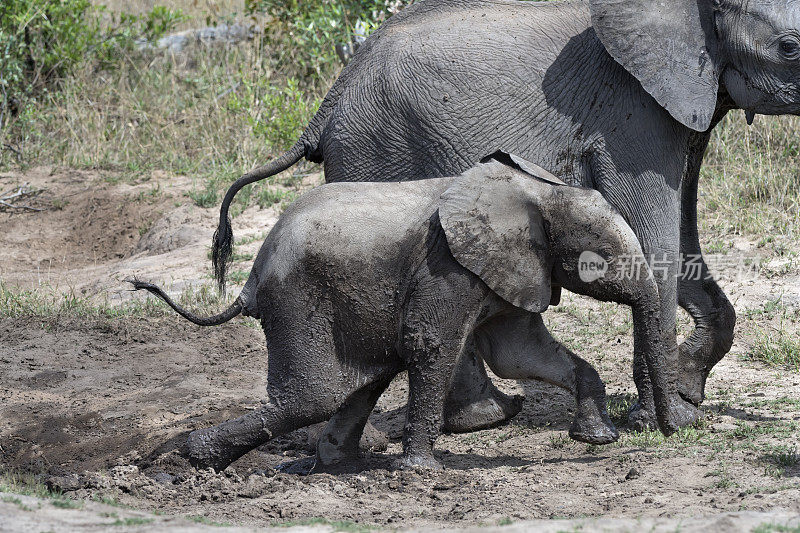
521,231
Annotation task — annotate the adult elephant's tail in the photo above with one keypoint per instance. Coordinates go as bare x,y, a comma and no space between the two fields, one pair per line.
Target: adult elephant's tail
222,246
234,310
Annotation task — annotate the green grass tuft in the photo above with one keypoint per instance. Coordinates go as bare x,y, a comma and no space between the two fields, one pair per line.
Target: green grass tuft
16,501
780,351
776,528
67,503
199,519
25,484
132,521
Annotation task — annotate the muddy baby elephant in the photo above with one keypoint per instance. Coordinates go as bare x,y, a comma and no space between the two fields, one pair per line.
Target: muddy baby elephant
360,281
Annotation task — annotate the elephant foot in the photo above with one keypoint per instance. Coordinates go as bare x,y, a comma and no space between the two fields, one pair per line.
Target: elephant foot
298,467
641,419
593,431
334,457
691,377
417,462
205,450
373,439
681,414
490,410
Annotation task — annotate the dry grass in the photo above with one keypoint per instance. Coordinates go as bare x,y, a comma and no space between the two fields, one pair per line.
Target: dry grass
213,114
750,183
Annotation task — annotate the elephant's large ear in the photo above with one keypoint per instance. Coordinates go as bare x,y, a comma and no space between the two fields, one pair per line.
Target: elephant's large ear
670,46
495,229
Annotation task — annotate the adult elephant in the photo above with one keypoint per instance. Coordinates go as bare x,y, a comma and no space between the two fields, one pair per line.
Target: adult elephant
616,95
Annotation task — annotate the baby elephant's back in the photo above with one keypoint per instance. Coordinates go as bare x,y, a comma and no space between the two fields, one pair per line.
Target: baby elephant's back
352,241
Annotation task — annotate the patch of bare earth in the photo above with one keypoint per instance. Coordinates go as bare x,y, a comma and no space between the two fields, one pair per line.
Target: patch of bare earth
99,408
93,232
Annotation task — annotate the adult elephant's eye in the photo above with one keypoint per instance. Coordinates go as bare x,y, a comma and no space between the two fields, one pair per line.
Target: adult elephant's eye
790,48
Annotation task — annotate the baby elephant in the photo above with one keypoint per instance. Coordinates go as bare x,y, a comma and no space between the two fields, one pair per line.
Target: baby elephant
360,281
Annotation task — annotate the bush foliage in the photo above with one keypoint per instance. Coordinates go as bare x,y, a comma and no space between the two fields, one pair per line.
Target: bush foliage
306,33
44,41
41,42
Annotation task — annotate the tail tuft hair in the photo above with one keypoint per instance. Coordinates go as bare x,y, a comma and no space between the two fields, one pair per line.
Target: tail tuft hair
222,245
221,251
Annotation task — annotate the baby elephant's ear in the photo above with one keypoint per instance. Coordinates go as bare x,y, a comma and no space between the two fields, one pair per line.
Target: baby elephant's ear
494,229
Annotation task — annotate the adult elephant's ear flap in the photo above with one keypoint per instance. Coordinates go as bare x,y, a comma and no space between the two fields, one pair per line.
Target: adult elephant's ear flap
494,229
670,46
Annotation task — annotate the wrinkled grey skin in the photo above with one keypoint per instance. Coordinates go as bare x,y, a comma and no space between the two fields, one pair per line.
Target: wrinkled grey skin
616,95
357,282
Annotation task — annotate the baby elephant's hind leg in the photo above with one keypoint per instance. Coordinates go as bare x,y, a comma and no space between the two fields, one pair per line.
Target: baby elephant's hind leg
520,347
338,445
217,447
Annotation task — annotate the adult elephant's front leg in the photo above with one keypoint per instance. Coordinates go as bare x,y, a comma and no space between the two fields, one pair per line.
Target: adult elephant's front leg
659,235
699,294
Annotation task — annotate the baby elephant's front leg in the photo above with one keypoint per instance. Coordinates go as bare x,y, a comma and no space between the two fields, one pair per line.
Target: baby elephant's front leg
591,423
518,346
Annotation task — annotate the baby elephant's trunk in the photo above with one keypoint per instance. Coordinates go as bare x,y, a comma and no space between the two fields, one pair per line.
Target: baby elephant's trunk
232,311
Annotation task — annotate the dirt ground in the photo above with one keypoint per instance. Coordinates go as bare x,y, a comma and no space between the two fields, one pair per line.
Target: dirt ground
98,406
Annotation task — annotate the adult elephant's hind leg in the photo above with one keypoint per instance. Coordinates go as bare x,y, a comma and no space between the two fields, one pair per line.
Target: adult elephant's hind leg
699,294
711,340
474,402
338,445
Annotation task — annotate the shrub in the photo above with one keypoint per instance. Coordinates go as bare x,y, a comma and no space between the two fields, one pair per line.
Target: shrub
44,41
306,33
40,42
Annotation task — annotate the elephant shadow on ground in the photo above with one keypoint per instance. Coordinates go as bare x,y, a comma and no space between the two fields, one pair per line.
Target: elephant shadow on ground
546,408
741,414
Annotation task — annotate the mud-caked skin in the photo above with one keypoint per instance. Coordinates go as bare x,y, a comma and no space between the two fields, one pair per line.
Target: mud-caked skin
616,95
357,282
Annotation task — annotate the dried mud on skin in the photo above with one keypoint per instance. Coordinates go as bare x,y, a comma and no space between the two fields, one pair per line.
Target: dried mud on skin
100,408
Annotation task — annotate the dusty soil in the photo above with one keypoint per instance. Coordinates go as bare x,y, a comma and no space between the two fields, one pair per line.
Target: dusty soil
99,407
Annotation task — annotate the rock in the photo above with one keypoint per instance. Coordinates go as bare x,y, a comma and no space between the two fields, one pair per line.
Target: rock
124,477
64,483
224,34
164,478
129,458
